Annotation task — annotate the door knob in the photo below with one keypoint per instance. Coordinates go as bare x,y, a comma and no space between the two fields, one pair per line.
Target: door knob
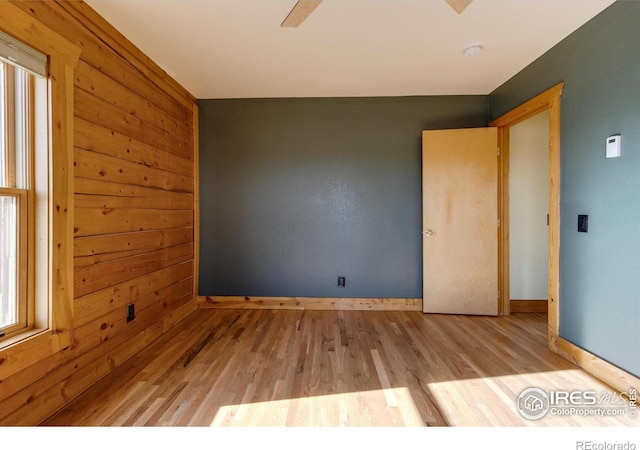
427,233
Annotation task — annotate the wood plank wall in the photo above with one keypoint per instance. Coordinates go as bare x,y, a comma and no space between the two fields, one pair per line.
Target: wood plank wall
134,213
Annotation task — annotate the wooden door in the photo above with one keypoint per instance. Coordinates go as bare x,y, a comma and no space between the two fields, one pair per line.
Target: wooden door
460,221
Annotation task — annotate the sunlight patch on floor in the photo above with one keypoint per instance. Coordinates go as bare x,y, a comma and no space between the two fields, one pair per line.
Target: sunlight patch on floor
382,407
492,401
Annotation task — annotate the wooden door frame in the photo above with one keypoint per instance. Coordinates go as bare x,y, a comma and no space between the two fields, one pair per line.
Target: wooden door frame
547,100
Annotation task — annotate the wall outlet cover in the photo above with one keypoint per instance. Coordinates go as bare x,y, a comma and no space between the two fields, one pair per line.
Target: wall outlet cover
131,312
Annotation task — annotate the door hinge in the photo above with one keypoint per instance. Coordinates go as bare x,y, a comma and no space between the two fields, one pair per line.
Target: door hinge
498,295
498,222
498,151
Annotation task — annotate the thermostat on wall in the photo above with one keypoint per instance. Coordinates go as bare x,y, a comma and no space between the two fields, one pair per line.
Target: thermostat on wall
613,146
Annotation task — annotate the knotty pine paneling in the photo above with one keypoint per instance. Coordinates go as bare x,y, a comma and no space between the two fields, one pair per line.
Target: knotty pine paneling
116,190
95,138
134,212
95,82
92,221
101,112
99,303
158,201
94,246
89,164
111,273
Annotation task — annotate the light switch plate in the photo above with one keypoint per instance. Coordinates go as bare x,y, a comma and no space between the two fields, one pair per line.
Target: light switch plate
583,223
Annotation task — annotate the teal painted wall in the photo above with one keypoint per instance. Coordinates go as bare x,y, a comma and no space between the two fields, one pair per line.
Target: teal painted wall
599,270
296,192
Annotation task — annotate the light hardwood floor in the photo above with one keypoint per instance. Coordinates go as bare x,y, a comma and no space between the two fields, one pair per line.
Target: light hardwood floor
336,368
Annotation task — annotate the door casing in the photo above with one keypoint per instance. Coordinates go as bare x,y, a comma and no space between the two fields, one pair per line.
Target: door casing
547,100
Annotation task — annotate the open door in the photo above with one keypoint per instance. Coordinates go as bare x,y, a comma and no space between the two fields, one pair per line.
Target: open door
460,221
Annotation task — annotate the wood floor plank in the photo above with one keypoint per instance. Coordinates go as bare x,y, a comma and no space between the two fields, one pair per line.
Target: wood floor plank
336,368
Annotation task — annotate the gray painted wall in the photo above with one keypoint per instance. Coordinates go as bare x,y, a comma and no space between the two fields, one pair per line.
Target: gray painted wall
296,192
599,270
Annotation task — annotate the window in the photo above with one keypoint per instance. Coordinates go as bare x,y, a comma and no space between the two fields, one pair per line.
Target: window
23,183
38,219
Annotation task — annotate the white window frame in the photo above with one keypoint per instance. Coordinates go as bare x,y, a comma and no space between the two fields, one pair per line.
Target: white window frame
18,181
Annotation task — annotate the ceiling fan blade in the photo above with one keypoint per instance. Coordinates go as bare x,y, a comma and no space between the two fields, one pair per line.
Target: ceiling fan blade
300,12
459,5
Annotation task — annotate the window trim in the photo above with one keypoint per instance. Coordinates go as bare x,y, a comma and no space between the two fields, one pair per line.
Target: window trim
19,352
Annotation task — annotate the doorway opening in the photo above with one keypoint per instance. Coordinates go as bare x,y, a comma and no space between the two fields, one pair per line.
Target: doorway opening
528,194
549,102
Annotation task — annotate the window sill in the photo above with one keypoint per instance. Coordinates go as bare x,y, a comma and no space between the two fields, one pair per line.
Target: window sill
23,350
20,337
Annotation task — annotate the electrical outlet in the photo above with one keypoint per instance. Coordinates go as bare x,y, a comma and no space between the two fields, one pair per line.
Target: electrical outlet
131,312
342,282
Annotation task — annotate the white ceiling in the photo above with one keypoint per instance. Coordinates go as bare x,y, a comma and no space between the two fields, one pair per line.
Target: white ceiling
346,48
